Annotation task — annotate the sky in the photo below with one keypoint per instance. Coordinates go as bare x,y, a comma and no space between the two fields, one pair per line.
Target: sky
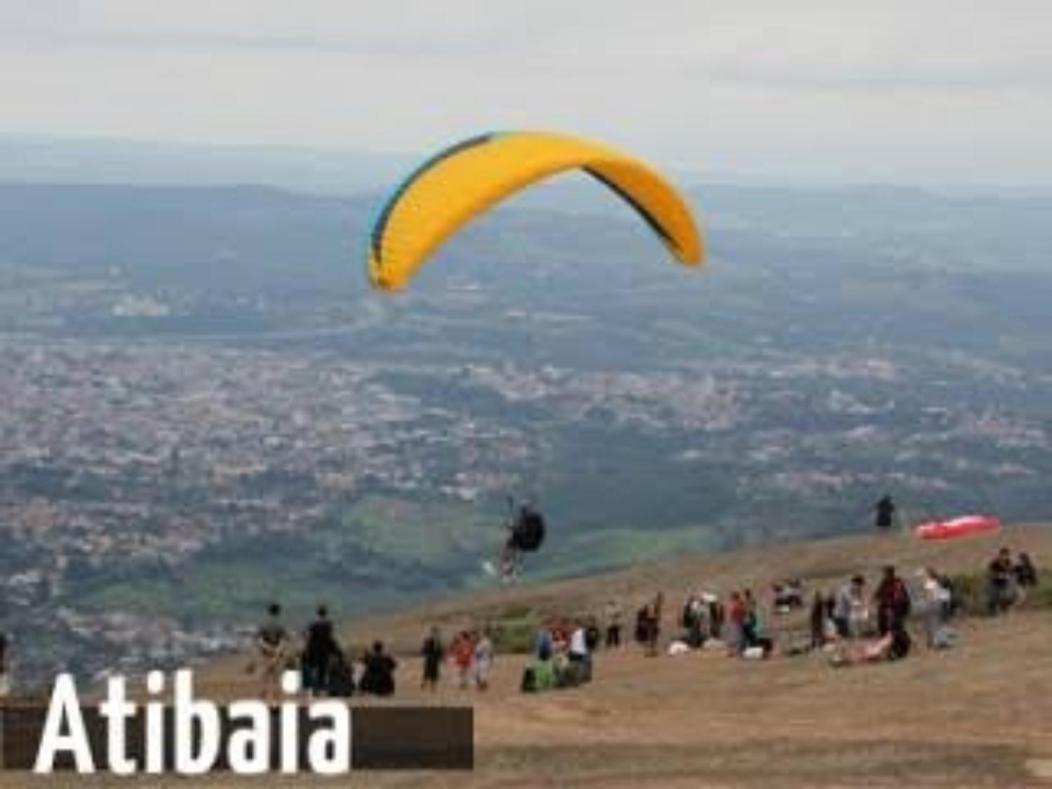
920,91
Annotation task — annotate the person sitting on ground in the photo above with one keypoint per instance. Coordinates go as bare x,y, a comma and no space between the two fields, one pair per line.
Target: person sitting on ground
320,646
893,601
273,649
341,676
483,658
1000,578
1025,572
788,595
432,652
378,676
539,674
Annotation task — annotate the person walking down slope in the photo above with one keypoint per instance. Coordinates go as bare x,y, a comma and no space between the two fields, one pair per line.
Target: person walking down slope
272,648
432,652
318,653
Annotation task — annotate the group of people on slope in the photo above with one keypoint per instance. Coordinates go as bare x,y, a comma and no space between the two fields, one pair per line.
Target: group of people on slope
470,656
737,624
325,667
857,627
563,655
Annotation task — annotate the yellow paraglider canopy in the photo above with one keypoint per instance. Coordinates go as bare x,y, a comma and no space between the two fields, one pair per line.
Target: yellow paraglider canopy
464,180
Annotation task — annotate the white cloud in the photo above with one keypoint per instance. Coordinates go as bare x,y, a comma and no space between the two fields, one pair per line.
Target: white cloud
923,89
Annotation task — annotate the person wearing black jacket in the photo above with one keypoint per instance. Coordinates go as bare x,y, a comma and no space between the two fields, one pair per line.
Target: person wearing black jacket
432,652
318,653
893,602
378,677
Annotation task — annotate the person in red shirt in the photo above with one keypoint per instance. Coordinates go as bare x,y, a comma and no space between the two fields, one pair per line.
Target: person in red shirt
736,612
462,655
893,602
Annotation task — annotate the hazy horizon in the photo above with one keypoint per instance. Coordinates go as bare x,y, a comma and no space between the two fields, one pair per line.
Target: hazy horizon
914,93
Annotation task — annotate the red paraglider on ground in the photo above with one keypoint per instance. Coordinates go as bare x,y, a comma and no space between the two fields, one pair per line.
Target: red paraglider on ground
957,527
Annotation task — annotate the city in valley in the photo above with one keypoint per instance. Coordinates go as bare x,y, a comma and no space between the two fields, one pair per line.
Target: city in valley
192,427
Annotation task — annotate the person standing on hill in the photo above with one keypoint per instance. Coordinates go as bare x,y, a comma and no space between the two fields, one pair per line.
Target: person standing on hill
847,604
5,667
893,602
483,658
462,654
818,621
1025,572
272,647
936,604
613,625
1000,575
885,509
318,652
653,624
751,620
735,636
716,614
432,652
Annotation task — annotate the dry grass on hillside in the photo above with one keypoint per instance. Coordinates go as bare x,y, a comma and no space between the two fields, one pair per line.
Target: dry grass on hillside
979,715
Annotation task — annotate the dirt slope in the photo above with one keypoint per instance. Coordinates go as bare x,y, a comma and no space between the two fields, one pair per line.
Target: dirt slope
980,715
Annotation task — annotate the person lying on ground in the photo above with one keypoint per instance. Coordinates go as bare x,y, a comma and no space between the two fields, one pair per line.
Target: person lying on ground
893,645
